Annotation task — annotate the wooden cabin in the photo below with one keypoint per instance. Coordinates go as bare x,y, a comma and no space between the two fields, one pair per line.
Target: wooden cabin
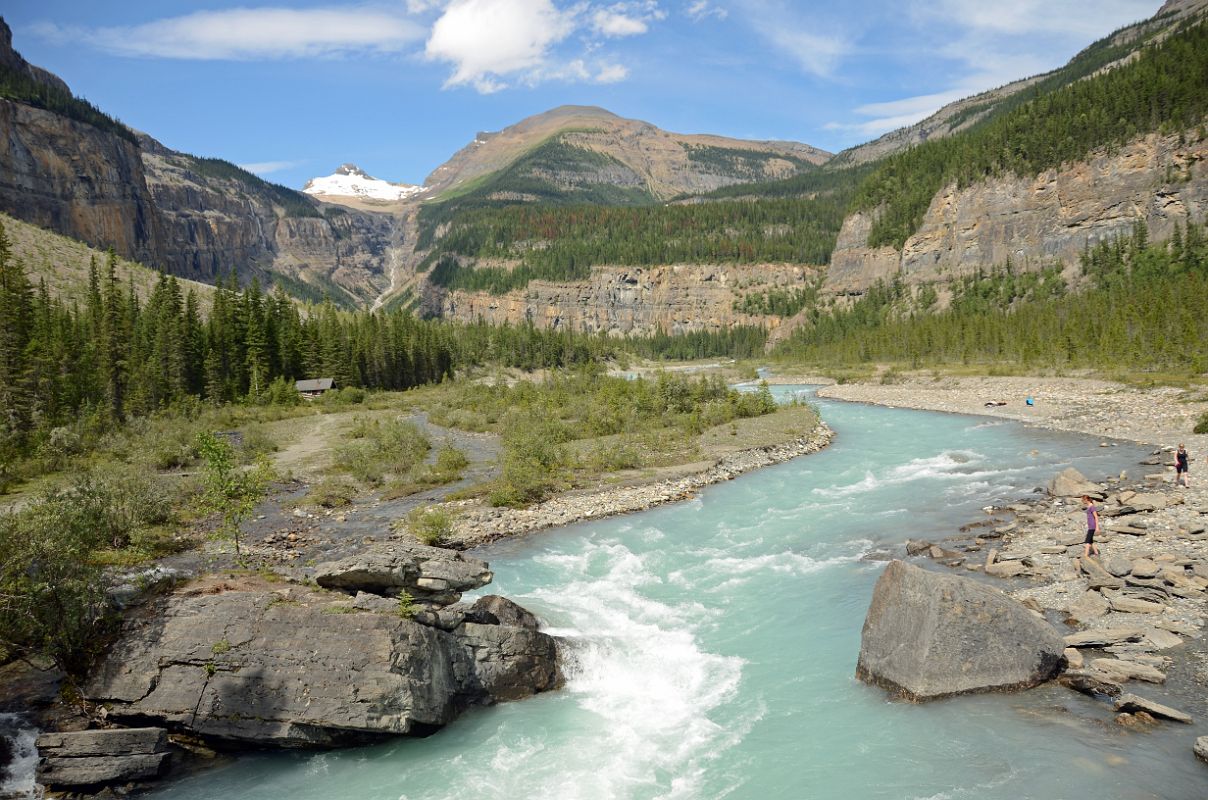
313,387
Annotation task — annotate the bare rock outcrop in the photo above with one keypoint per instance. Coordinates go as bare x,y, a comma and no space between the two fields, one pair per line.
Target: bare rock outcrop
1034,220
391,569
304,668
93,759
929,635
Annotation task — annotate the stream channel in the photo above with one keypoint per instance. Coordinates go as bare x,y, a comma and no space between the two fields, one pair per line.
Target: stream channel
712,645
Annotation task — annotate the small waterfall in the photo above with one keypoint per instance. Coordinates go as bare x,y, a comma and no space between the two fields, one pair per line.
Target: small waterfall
17,779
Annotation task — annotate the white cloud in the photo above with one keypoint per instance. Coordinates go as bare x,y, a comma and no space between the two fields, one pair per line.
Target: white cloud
611,73
244,34
611,23
703,9
816,53
487,40
492,44
993,44
627,18
268,167
1069,17
801,38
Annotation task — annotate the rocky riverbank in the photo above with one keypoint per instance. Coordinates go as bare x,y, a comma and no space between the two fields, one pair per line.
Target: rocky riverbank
477,525
1133,617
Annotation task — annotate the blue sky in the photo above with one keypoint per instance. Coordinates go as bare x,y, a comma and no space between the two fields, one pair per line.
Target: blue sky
293,89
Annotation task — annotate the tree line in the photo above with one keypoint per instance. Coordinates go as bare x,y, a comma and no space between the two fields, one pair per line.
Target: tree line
1136,305
114,356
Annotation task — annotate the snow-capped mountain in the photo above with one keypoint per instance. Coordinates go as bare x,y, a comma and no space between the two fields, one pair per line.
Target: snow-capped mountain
351,181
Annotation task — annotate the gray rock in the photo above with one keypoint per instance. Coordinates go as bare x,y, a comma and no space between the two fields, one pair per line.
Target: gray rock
1090,682
1096,576
376,603
1072,483
1201,749
916,546
505,612
1120,671
250,667
930,635
91,759
1134,605
1134,703
1144,568
396,567
1104,637
1117,566
1090,606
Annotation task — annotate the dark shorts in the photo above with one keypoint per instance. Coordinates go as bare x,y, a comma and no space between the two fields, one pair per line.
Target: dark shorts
1180,469
1090,536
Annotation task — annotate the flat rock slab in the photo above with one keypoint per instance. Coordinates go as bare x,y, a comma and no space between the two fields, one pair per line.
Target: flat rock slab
88,759
1103,637
1089,607
303,670
1120,671
1134,703
929,635
396,567
1144,568
1117,566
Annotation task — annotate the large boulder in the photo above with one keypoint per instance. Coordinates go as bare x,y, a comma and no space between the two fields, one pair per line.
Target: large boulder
297,668
1072,483
930,635
426,573
92,759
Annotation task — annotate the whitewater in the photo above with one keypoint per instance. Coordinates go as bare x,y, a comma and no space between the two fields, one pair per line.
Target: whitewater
711,647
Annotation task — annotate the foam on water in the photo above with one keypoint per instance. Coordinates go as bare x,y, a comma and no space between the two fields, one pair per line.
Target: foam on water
20,781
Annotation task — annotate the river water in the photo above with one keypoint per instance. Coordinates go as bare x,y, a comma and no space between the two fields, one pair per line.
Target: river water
713,644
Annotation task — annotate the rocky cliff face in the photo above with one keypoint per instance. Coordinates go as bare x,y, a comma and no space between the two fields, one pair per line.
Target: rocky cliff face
632,300
77,180
1052,217
160,208
212,224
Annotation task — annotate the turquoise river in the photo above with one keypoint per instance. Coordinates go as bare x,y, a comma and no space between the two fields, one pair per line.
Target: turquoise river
712,645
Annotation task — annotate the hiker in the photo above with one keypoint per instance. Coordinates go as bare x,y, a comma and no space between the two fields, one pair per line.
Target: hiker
1180,467
1092,526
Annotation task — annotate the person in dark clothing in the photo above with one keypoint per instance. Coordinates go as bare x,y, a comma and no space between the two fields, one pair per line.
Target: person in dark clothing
1180,467
1092,527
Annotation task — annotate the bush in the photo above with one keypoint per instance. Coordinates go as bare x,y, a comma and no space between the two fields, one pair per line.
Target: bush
533,457
381,447
52,597
331,493
432,526
1202,425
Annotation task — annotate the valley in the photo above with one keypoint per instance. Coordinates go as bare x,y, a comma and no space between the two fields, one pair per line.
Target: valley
267,453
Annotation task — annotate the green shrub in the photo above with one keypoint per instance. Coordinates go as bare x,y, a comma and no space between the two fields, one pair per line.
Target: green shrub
432,526
380,448
331,493
1202,425
407,606
52,596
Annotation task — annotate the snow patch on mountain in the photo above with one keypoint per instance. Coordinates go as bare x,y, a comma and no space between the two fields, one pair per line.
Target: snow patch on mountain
351,181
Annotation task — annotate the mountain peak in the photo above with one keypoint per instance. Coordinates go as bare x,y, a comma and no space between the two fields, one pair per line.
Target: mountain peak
349,180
